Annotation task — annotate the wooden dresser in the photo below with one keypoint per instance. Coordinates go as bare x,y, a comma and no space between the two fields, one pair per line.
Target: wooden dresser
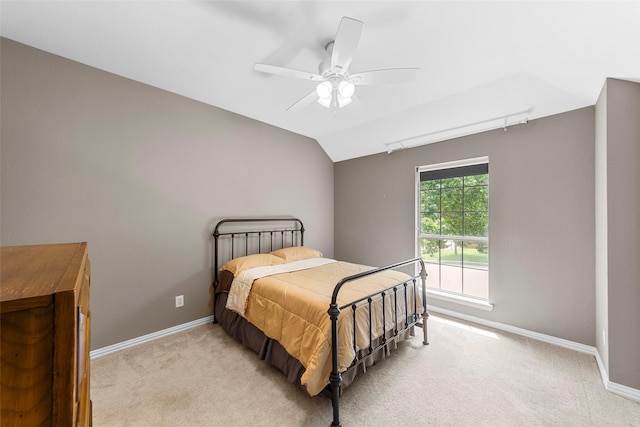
44,332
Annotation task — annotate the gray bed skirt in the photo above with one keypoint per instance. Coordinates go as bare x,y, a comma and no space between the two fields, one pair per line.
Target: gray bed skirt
274,354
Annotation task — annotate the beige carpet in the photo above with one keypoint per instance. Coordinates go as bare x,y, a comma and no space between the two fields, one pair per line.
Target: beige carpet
469,376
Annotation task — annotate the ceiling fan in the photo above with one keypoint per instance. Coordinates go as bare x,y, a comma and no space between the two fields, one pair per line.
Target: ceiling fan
336,85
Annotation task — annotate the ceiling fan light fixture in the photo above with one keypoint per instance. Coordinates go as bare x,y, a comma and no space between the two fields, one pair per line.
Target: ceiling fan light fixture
325,102
343,101
346,89
324,90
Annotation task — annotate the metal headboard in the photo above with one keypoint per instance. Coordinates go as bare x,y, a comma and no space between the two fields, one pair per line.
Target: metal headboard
246,236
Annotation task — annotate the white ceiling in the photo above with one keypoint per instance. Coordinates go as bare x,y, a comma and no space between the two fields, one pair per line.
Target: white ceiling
482,64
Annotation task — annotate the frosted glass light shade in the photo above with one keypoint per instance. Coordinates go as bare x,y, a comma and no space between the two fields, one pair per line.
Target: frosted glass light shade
346,89
323,90
325,102
343,101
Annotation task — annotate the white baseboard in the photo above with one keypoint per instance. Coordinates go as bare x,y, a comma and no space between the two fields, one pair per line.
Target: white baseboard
619,389
623,390
149,337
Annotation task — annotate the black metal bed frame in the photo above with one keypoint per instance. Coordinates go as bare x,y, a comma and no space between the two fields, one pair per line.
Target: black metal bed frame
293,232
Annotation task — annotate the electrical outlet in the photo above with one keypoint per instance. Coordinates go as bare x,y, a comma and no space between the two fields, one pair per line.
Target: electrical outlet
179,301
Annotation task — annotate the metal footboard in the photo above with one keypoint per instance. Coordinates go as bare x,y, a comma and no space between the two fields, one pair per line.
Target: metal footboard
388,295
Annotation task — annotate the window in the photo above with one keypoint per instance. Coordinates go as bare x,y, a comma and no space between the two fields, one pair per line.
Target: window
454,227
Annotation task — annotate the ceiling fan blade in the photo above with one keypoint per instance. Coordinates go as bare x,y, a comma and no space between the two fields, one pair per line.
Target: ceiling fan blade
347,39
287,72
306,100
388,76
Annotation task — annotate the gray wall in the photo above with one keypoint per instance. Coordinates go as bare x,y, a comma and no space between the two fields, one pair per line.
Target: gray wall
142,175
541,218
619,174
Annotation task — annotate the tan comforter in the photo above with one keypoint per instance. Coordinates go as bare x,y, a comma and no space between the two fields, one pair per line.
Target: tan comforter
292,309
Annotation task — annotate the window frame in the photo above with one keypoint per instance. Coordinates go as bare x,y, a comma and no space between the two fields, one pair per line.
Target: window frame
459,298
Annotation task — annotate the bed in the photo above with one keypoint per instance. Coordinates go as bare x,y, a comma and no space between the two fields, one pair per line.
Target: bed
320,321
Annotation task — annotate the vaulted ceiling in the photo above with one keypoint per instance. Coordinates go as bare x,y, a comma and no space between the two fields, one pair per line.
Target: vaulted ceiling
483,64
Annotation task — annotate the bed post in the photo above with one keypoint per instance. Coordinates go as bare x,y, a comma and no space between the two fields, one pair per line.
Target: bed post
425,313
216,235
335,378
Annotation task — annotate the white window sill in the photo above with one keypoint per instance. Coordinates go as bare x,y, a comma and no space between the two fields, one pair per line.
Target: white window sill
459,299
